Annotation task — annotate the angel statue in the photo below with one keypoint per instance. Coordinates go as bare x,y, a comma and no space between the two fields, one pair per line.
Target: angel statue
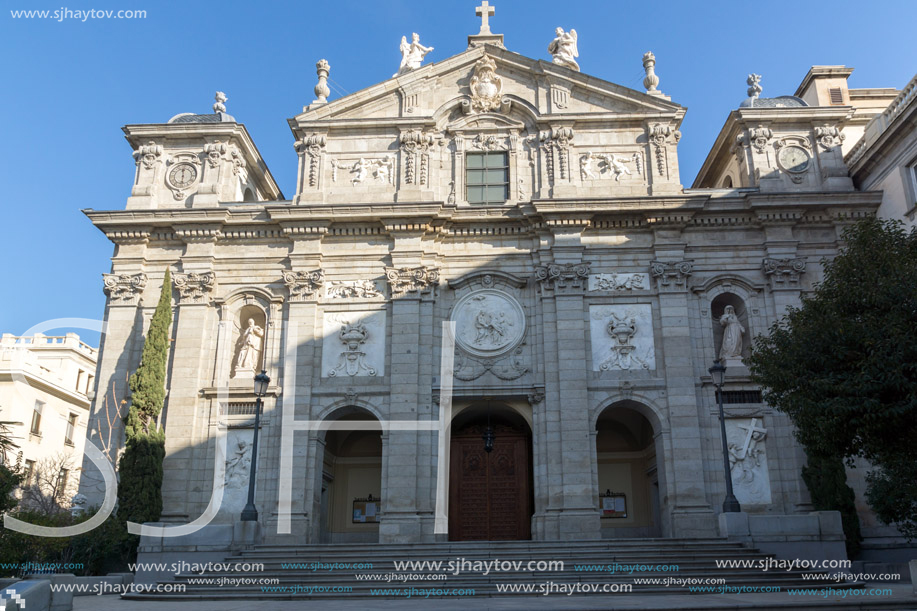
564,50
411,54
249,346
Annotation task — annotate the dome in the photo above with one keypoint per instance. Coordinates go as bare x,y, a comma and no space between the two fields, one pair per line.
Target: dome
783,101
190,117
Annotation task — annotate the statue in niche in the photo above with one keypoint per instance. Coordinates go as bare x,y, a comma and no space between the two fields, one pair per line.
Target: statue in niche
731,348
563,49
238,466
249,346
412,54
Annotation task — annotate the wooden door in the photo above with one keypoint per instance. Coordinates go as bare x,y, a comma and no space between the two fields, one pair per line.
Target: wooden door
489,493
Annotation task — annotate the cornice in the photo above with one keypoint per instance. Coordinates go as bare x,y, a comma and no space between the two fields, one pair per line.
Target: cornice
611,214
40,383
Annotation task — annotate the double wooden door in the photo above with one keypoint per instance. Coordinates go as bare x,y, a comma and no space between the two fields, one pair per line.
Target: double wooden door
490,494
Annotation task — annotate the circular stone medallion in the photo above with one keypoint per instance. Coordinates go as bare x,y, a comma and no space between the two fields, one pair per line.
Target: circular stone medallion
488,322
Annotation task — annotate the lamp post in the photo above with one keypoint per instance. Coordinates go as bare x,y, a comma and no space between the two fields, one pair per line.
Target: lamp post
718,373
250,514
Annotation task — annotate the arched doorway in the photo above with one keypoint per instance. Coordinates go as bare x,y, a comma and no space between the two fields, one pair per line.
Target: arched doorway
628,452
351,481
490,493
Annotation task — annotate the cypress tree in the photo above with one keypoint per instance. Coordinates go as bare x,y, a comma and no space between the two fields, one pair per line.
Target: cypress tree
140,468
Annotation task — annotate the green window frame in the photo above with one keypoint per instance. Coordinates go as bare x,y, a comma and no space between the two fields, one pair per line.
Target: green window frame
487,177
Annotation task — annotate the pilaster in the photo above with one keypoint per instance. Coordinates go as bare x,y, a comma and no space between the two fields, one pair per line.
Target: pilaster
571,512
691,513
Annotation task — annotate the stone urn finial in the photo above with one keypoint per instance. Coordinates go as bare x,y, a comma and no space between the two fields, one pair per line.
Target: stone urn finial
219,106
754,85
322,68
650,81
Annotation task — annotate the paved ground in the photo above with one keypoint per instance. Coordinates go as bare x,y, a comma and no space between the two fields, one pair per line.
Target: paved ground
902,598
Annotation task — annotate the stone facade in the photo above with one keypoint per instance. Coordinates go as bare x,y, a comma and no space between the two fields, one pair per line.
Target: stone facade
587,301
46,385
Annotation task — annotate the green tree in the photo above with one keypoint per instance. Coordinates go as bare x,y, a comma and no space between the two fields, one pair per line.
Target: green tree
843,366
140,468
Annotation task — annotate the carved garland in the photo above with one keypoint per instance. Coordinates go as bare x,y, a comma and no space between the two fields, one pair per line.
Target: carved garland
557,142
313,146
659,136
415,144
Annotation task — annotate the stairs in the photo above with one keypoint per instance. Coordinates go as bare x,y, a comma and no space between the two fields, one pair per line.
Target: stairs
326,572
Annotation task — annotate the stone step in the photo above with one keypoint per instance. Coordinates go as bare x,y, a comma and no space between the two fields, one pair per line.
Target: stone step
729,577
694,557
450,545
480,590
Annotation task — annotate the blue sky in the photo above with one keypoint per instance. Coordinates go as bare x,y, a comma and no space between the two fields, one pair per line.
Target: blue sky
68,87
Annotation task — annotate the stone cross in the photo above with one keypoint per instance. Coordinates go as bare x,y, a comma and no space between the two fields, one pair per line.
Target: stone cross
750,430
485,12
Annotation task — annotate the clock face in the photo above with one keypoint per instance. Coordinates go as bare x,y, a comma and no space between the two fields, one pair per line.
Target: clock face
183,175
793,159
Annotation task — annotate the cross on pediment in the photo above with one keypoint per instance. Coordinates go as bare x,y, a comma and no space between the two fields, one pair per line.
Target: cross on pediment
485,12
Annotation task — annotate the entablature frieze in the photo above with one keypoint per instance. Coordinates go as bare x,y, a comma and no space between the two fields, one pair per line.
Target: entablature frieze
318,221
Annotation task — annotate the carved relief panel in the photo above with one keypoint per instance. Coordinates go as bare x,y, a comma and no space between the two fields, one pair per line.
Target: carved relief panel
616,167
353,344
622,337
490,328
745,439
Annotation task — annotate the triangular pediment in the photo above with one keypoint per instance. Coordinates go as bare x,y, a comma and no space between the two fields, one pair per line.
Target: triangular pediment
432,93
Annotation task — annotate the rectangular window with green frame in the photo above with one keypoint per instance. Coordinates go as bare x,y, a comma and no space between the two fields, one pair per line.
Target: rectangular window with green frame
487,178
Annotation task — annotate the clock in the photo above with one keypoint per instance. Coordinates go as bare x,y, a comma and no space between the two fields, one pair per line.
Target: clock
183,175
793,159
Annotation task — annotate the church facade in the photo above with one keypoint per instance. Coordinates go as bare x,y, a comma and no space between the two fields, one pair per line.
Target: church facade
515,224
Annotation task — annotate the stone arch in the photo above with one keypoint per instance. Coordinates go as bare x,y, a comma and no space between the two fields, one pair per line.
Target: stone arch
630,448
347,490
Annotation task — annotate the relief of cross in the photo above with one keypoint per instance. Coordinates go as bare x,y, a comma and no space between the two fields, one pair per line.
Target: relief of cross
750,430
485,11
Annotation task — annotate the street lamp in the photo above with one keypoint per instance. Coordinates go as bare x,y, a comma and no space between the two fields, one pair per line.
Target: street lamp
250,514
718,373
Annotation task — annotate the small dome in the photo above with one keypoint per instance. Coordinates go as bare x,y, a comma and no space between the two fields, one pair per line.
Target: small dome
190,117
783,101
